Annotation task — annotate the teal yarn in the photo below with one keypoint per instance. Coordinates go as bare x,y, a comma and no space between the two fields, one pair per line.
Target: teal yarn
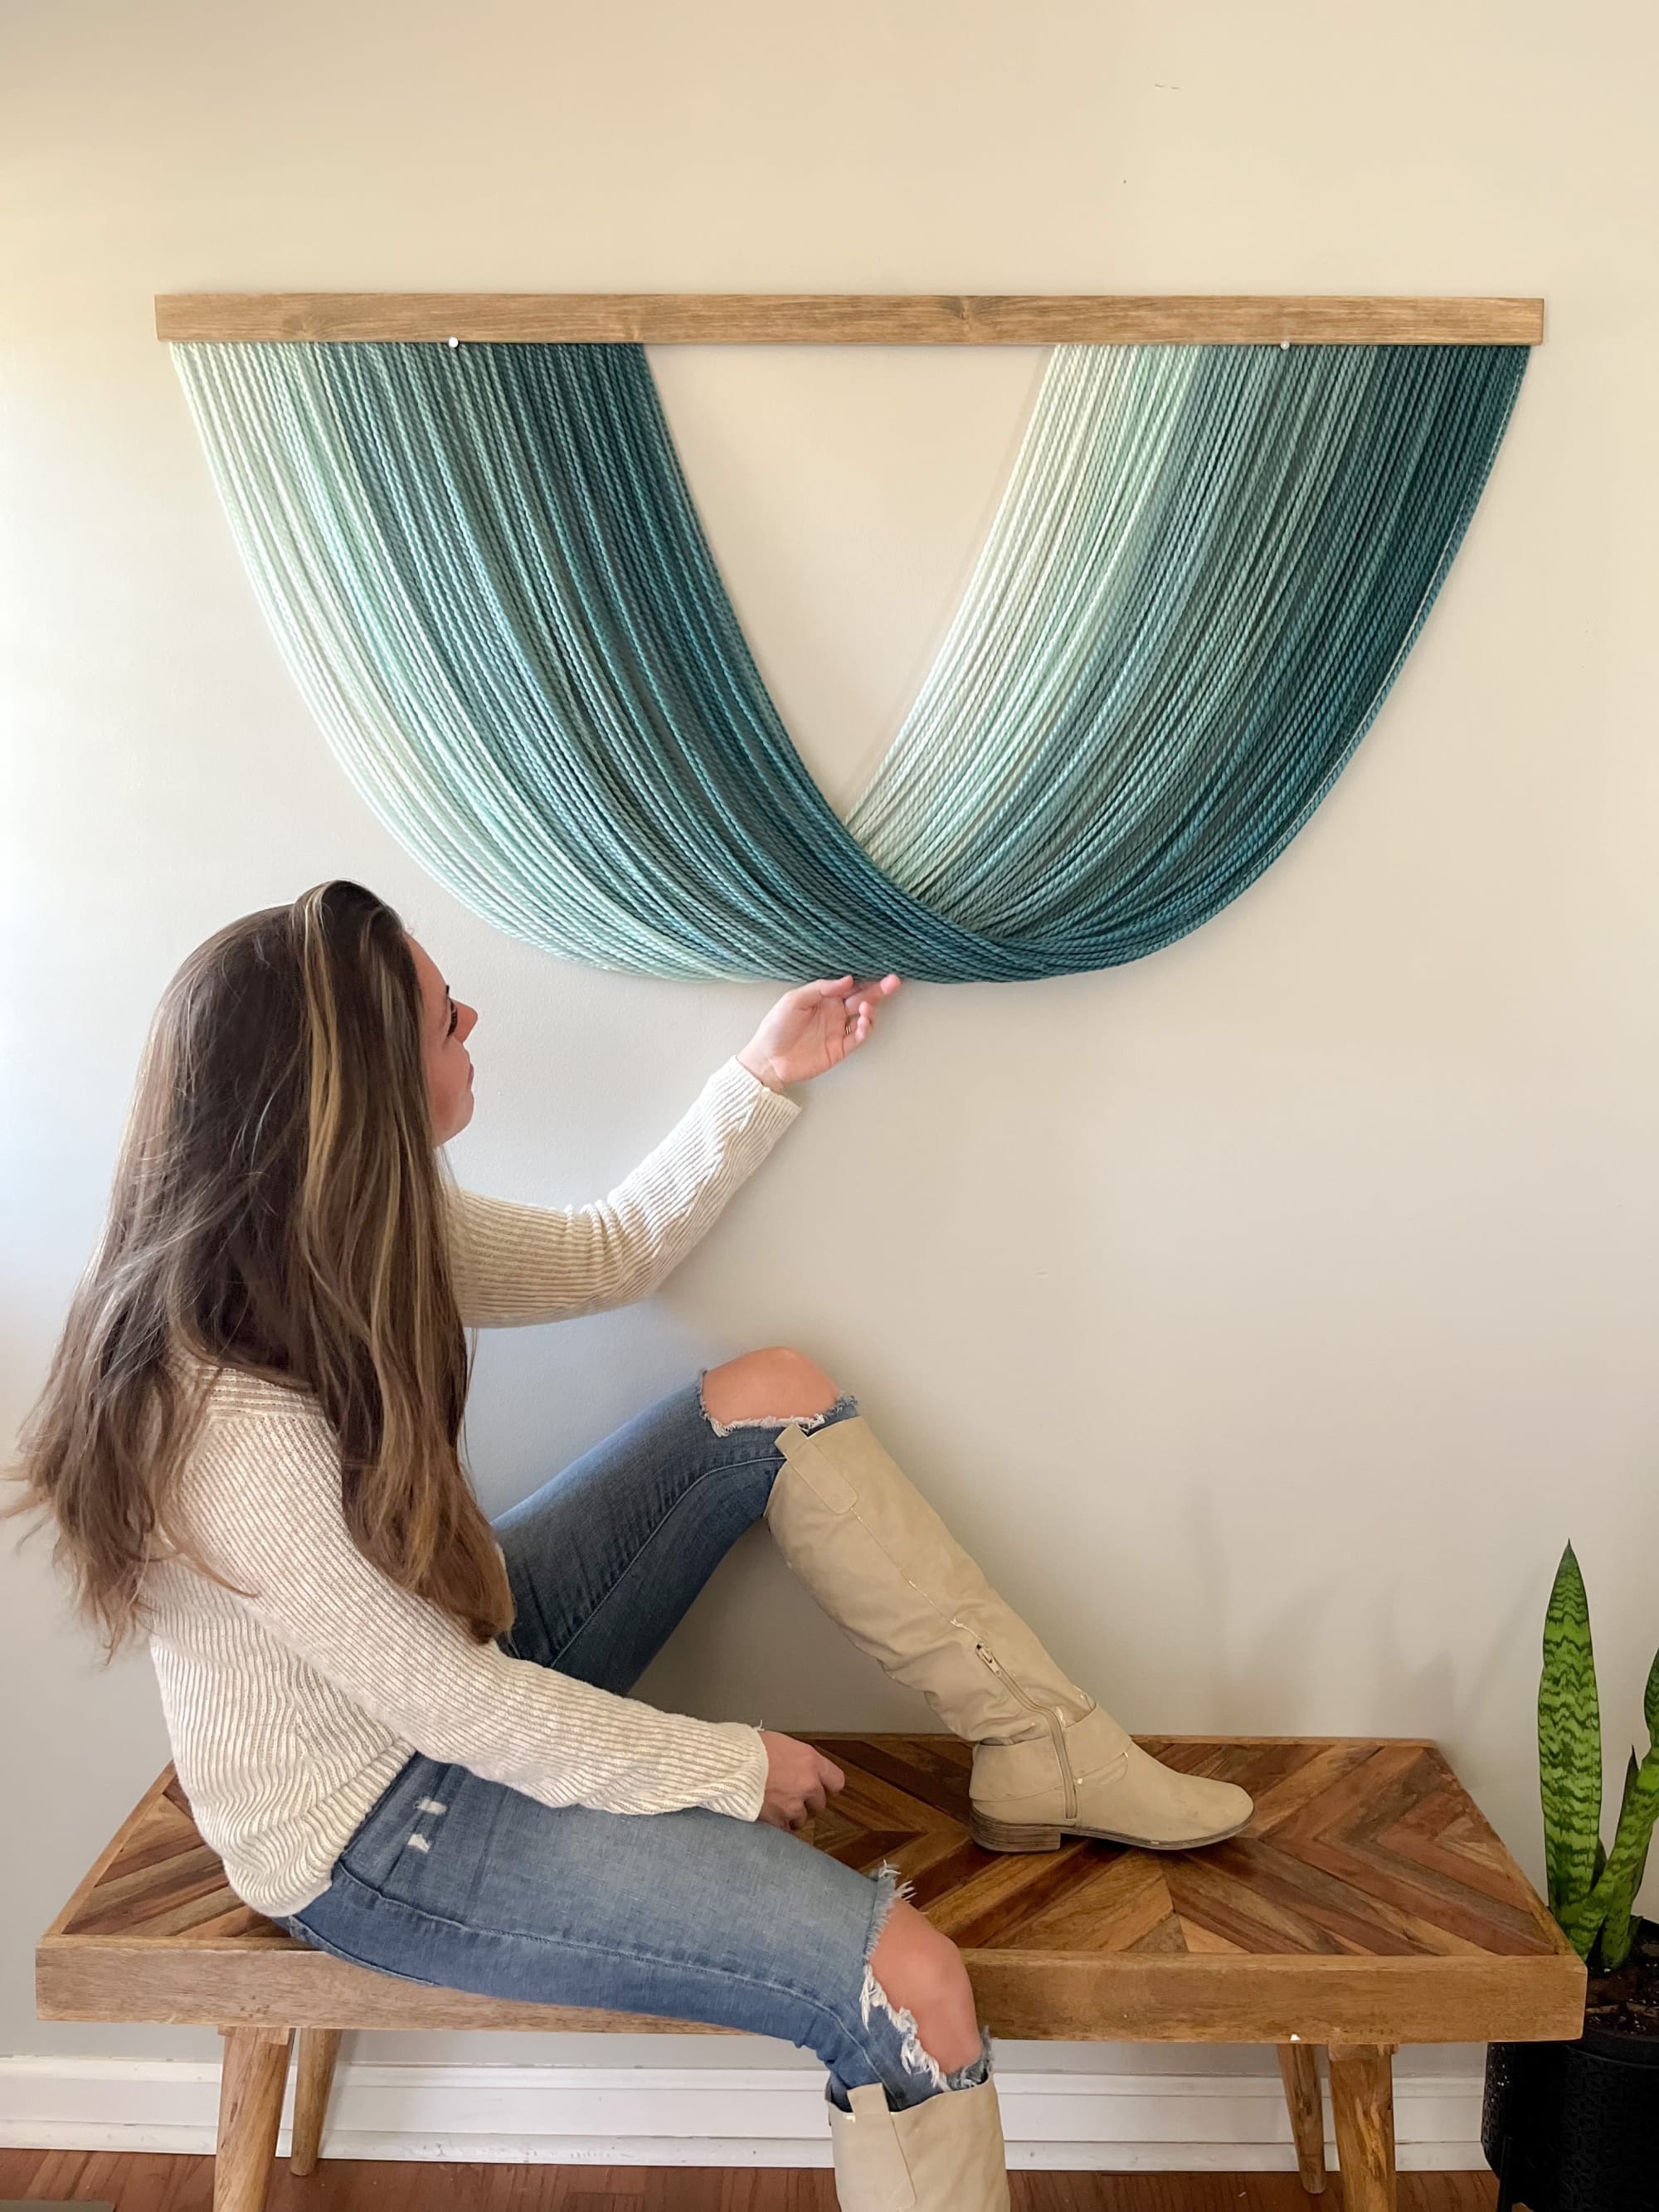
486,573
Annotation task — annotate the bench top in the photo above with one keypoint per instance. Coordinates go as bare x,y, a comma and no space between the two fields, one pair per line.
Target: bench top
1368,1901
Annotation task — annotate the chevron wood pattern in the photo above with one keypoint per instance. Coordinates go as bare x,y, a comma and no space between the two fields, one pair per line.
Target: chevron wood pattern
1357,1848
1367,1902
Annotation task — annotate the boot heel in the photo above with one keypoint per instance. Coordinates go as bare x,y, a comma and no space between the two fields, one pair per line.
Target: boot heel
1010,1835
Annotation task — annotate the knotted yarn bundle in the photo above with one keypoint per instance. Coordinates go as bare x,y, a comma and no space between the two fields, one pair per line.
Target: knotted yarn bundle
486,573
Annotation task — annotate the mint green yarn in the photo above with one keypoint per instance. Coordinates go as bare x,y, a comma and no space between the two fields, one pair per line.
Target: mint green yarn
486,573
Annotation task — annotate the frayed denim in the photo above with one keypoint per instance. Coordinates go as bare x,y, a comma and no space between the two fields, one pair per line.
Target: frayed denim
467,1884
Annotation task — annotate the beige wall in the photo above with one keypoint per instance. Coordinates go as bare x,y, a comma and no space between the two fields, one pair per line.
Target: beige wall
1270,1311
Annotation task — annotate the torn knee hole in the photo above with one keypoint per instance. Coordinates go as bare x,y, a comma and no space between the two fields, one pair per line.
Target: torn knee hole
842,1408
873,1999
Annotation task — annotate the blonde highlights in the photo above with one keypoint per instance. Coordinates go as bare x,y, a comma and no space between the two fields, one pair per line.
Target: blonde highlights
277,1209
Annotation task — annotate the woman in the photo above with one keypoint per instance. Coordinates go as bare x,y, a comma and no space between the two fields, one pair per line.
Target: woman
410,1736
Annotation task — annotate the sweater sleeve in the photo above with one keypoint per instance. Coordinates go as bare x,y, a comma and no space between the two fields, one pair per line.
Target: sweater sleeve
514,1264
262,1507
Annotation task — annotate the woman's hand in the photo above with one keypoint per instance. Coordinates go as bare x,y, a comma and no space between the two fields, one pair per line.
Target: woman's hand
812,1028
799,1781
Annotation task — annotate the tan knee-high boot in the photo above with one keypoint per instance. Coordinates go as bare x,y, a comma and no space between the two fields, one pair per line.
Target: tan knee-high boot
1048,1761
945,2154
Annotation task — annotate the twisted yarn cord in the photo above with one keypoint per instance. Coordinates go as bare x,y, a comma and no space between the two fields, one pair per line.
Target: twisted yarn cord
486,569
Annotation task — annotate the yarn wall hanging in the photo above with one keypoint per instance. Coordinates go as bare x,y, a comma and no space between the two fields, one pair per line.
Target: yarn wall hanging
486,573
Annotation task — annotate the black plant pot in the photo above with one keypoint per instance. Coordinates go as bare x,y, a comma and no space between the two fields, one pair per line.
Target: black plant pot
1574,2127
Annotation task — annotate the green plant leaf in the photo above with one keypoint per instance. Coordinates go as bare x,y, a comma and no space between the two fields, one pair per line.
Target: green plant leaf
1581,1923
1627,1860
1632,1771
1651,1702
1616,1941
1569,1745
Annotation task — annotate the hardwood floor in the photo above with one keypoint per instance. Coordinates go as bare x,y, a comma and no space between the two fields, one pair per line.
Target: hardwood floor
186,2184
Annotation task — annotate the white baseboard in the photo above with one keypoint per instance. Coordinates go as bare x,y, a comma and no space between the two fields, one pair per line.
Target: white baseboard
681,2116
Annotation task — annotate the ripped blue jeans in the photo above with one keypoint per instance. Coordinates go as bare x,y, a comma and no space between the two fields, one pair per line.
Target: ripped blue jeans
692,1915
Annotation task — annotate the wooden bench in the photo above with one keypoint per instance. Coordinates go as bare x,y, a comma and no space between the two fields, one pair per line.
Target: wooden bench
1367,1905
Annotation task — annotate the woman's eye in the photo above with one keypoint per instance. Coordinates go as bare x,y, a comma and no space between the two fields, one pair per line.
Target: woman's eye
455,1016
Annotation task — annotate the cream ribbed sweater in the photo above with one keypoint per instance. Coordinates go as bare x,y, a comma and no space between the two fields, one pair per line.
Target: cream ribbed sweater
291,1707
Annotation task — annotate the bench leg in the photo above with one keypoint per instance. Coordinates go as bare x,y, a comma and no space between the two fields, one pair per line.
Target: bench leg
250,2084
314,2077
1298,2064
1362,2101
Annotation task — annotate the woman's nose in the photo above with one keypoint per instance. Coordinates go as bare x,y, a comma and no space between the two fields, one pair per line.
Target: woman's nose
466,1020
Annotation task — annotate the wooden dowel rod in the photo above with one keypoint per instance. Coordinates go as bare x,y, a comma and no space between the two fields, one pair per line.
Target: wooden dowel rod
831,318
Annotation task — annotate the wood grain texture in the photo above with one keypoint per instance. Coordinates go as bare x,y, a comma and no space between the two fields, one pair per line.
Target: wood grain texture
314,2077
842,319
1298,2066
251,2085
156,2184
1367,1902
1361,2106
120,1846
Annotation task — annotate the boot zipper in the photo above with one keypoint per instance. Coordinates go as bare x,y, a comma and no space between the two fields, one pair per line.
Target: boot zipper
1047,1713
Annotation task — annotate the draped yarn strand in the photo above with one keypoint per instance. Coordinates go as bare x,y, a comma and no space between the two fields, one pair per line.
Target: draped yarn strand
487,571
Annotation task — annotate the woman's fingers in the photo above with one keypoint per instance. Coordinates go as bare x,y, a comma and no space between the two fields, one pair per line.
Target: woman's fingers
872,994
828,986
797,1811
865,1000
858,1028
859,1006
845,986
796,1815
799,1781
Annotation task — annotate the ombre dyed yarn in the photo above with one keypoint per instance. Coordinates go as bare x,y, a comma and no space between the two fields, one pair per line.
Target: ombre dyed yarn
487,574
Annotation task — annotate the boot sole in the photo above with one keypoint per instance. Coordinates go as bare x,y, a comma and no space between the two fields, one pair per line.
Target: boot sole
1015,1836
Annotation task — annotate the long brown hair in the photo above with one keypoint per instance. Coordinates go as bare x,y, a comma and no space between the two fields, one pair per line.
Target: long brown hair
277,1209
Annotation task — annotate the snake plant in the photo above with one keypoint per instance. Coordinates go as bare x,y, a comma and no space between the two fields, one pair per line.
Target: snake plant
1591,1890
